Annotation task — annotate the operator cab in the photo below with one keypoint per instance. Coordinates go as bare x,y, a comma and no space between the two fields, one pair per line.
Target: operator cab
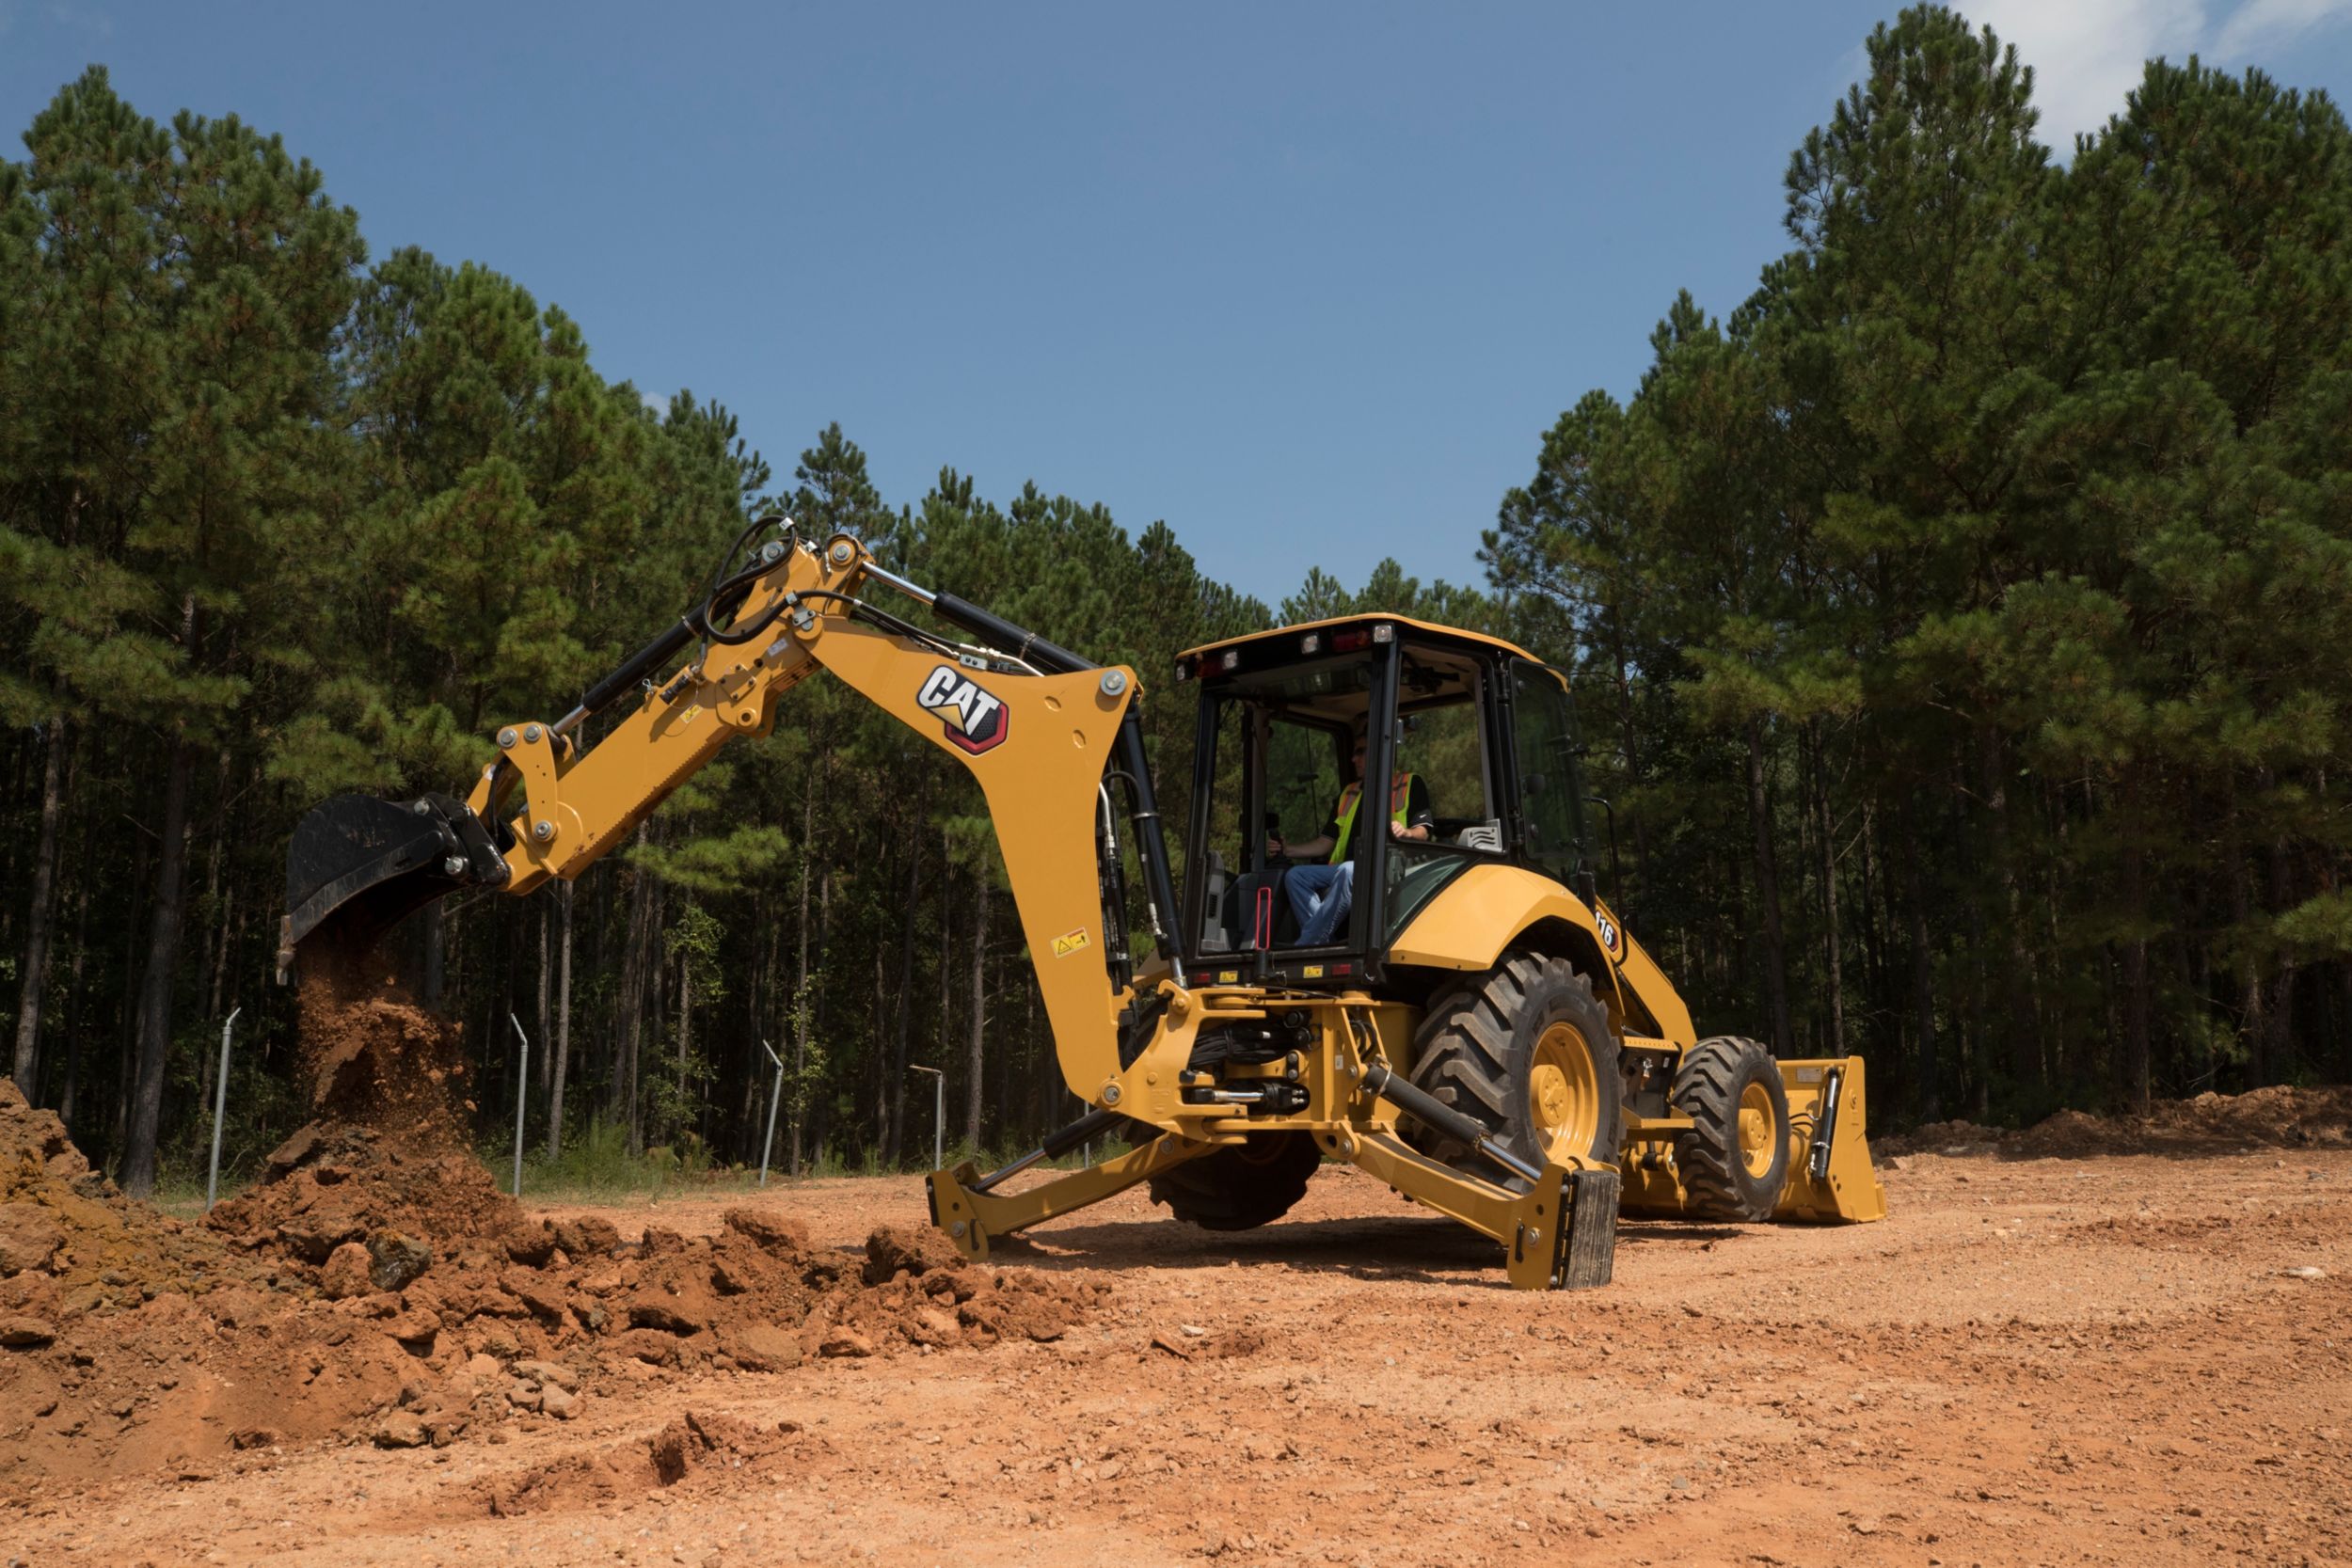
1475,739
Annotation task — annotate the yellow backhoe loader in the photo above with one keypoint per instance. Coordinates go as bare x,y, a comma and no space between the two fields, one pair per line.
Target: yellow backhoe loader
1477,1029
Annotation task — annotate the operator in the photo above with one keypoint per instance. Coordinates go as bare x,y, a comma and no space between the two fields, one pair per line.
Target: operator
1322,893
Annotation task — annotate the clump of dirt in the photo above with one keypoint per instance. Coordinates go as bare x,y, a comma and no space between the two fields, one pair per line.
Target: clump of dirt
2278,1116
695,1442
377,1287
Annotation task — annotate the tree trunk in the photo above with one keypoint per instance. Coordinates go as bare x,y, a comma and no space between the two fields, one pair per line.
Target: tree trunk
2135,1070
946,948
65,1093
1768,892
2251,1027
27,1058
2024,1049
894,1138
2280,1014
562,1022
547,981
639,982
1929,1069
814,1003
163,954
800,984
1829,899
978,1079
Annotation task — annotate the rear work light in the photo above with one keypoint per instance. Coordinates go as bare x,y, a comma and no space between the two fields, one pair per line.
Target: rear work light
1311,642
1233,658
1183,668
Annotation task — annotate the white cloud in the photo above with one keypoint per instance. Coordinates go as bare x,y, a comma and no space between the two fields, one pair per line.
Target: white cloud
2264,24
2086,55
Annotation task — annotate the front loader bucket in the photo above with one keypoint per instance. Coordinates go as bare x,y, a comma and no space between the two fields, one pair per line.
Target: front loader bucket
1829,1176
357,867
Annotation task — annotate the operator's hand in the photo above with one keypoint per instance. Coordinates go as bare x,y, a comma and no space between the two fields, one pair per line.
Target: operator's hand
1398,830
1274,847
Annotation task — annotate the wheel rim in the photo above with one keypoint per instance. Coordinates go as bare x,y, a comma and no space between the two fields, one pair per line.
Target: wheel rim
1564,1092
1755,1129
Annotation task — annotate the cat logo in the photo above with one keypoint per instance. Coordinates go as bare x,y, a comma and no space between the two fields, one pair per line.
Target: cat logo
975,722
1612,939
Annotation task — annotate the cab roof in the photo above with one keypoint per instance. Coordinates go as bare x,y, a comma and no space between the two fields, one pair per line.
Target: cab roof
1427,628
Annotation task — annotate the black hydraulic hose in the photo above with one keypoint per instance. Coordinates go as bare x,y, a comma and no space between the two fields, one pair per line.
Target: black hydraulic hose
1152,845
737,636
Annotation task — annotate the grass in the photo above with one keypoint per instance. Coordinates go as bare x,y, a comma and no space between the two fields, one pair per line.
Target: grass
596,1166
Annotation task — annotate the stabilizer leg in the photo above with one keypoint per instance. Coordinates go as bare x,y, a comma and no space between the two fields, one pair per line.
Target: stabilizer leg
971,1215
1561,1234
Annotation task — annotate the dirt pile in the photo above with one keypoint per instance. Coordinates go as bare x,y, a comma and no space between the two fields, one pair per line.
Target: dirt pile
2279,1116
379,1287
70,1243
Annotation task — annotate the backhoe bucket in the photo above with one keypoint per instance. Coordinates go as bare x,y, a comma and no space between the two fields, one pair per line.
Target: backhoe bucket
357,867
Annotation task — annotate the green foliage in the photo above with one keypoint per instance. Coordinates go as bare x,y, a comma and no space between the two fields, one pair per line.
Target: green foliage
1961,627
1992,530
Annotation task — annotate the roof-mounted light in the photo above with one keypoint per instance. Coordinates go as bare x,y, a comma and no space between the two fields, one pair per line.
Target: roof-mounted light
1233,658
1384,634
1183,668
1311,642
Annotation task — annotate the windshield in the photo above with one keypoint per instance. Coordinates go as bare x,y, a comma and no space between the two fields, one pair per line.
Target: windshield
1277,752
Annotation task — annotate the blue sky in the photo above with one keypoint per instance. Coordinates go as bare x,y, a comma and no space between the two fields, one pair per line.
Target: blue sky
1309,282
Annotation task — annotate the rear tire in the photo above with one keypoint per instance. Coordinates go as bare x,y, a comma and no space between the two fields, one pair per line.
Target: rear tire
1735,1160
1525,1049
1241,1186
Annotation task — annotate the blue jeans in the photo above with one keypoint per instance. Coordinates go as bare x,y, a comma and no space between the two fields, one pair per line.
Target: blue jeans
1320,896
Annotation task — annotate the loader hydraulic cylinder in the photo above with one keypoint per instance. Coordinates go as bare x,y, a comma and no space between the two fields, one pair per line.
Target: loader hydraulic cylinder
1088,1128
1825,1130
1436,1113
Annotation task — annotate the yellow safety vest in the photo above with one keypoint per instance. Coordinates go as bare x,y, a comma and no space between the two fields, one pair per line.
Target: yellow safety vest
1400,796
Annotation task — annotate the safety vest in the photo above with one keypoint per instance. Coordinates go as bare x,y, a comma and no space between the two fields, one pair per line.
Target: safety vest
1400,796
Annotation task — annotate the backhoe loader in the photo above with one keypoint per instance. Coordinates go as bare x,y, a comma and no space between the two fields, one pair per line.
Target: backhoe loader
1479,1030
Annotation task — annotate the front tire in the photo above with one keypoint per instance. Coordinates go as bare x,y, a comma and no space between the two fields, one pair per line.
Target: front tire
1735,1159
1525,1049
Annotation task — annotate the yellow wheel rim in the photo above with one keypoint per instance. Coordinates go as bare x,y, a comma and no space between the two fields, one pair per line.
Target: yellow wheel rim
1757,1128
1564,1092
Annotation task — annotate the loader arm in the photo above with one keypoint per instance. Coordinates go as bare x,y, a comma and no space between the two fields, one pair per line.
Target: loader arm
1042,730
